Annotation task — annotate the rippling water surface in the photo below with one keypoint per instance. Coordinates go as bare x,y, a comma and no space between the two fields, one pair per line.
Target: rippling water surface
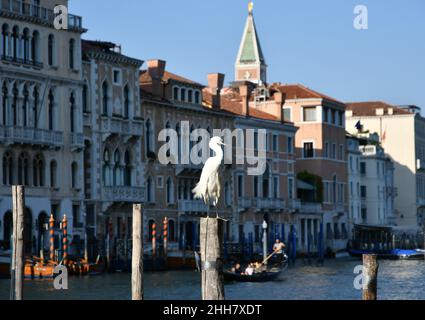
398,280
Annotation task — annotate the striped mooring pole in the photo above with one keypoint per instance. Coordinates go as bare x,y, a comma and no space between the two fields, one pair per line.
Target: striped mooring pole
154,239
65,238
165,235
52,237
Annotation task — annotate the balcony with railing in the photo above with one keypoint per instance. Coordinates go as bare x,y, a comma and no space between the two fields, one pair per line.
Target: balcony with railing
21,10
77,141
244,203
192,206
270,204
121,126
123,194
310,208
32,136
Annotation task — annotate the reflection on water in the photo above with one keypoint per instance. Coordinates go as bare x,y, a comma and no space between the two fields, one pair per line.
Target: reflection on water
334,281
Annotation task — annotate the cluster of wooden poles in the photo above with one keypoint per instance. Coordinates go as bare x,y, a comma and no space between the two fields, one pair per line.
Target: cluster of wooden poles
211,241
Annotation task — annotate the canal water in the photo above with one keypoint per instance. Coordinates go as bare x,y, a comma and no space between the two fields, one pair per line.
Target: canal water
398,280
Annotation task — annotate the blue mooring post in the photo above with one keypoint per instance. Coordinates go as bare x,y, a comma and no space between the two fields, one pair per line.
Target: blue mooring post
251,245
321,252
294,244
194,236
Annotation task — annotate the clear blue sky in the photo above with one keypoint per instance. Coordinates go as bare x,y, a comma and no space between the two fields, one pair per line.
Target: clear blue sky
305,41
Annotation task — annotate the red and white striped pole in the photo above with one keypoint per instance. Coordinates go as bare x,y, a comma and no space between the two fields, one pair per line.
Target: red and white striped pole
165,235
154,239
65,238
52,237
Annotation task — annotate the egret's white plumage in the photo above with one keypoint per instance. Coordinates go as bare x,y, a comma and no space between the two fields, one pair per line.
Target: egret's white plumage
208,187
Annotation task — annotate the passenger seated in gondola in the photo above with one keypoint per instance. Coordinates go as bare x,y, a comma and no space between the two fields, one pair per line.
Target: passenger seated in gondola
249,271
237,269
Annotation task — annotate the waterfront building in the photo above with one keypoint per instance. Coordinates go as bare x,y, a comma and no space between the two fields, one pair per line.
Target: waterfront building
113,176
170,101
402,135
354,183
41,129
269,195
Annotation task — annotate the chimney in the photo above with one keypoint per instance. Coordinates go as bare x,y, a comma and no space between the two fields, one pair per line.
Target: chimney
244,93
215,84
156,69
278,98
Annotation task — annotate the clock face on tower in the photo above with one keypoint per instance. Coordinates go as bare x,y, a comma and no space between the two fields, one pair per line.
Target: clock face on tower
247,75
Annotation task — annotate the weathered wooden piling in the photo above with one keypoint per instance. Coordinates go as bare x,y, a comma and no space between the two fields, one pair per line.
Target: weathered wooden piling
137,256
18,193
211,238
370,277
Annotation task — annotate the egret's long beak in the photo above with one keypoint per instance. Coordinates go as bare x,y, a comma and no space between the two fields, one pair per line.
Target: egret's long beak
223,144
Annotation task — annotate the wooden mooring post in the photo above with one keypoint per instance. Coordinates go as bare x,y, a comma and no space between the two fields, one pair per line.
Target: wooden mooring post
137,256
370,277
17,270
211,240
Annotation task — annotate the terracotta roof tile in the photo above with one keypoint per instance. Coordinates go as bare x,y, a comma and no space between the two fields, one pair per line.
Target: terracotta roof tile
298,91
145,77
232,102
369,108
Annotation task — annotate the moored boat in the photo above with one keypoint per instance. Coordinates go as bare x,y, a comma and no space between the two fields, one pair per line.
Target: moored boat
395,254
36,268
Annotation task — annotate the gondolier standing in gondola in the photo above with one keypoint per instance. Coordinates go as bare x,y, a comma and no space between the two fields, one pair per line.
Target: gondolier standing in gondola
279,248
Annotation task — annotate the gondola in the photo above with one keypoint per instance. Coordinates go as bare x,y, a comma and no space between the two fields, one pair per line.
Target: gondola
271,274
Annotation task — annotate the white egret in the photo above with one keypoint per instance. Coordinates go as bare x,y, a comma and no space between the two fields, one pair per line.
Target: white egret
209,187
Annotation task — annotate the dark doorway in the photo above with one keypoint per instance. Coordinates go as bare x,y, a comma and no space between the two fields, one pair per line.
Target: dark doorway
28,240
189,235
43,233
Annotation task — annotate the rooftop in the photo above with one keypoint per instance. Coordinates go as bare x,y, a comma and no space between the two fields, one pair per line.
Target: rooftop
374,108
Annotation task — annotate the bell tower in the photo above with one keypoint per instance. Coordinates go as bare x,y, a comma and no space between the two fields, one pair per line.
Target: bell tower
250,63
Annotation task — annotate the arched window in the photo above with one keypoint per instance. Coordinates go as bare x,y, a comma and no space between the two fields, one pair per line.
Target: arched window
178,130
36,96
72,111
126,102
183,94
149,136
72,54
106,168
25,108
197,97
15,42
266,183
5,41
51,106
171,231
170,191
53,174
85,99
176,93
23,169
35,47
7,169
38,171
105,98
74,175
15,93
117,168
127,173
168,126
50,49
149,190
26,45
5,98
190,96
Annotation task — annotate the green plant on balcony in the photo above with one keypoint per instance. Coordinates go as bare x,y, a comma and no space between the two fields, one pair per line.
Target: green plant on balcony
315,181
